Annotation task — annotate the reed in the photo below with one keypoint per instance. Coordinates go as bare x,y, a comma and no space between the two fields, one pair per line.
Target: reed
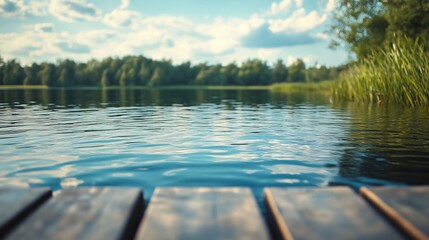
302,87
399,75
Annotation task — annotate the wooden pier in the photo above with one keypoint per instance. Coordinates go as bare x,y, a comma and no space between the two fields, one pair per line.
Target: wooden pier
215,213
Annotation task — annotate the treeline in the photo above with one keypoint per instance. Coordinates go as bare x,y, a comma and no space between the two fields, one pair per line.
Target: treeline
369,26
142,71
391,42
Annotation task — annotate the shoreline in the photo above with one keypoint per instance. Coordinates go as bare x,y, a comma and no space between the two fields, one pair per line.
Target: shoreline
278,87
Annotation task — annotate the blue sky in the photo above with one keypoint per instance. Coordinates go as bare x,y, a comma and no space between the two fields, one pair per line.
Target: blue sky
219,31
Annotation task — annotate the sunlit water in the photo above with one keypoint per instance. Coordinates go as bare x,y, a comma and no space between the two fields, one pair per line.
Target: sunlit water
142,138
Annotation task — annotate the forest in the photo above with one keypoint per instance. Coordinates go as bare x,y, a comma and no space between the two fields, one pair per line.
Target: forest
142,71
390,40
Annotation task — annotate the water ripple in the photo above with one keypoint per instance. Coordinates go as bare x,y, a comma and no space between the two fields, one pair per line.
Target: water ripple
210,138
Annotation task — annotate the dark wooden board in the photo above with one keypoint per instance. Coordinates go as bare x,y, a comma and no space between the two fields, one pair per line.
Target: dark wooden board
203,213
17,203
408,207
85,213
325,213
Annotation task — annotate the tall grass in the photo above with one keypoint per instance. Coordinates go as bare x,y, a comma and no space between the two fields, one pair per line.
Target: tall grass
302,87
399,74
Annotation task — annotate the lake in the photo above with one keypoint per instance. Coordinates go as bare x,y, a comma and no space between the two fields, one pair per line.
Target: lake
253,138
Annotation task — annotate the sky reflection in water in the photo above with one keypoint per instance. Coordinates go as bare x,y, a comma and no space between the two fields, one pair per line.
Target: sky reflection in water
69,138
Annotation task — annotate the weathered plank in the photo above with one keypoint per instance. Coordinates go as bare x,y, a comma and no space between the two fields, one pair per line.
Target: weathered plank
17,203
203,213
407,207
85,213
324,213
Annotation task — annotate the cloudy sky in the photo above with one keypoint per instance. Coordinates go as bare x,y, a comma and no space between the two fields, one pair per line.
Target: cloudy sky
220,31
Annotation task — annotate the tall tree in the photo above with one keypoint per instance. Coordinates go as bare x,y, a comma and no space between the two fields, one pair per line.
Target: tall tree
279,72
367,25
66,70
297,71
254,72
104,82
360,24
13,73
409,17
31,75
230,72
2,64
47,74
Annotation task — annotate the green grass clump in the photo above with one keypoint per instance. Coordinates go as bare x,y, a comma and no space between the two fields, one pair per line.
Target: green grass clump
302,87
399,75
23,87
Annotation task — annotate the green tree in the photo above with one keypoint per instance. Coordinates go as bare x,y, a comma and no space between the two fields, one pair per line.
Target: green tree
47,74
157,77
183,74
279,72
66,70
145,73
254,72
32,75
13,73
138,70
104,82
368,25
410,17
2,64
360,24
297,71
230,72
317,74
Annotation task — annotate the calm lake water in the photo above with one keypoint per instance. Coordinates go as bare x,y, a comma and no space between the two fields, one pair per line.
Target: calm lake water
149,138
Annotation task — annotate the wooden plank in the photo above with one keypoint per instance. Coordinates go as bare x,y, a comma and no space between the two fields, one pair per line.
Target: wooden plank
407,207
17,203
324,213
203,213
85,213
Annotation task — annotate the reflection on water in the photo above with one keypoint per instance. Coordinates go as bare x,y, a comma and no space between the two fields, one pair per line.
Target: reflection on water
70,98
147,138
387,143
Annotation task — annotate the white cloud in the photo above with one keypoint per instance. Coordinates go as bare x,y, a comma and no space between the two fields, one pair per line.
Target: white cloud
35,45
74,10
299,21
96,36
308,59
267,53
11,7
170,37
162,36
331,5
279,7
322,36
17,8
38,8
122,18
42,27
263,37
169,23
228,31
124,4
298,3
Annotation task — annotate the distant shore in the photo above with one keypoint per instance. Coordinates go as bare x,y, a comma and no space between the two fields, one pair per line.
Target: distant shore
24,87
278,87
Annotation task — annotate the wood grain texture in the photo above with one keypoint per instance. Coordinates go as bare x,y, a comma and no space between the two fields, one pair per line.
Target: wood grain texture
85,213
203,213
325,213
407,207
17,203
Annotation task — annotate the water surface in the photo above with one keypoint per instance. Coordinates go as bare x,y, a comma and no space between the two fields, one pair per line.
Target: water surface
252,138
